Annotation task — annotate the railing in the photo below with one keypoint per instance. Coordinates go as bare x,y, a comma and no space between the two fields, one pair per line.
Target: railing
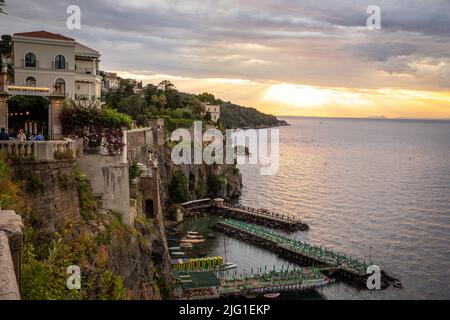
38,150
87,71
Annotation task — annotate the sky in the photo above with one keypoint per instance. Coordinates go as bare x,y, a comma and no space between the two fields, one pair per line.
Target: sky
284,57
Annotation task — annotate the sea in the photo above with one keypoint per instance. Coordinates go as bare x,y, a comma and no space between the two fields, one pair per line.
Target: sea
375,189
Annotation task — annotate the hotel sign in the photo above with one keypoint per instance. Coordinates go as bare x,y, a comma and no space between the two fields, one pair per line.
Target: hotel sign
27,91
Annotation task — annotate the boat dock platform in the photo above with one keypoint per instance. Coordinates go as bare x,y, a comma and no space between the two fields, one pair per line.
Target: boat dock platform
296,280
294,250
207,285
258,216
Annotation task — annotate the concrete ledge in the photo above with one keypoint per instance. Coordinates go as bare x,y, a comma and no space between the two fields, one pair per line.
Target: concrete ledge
11,224
9,289
11,241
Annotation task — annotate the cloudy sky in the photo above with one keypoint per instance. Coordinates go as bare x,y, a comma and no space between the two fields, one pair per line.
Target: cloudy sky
287,57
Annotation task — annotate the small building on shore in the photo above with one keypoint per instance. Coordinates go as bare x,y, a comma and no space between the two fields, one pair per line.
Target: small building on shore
214,111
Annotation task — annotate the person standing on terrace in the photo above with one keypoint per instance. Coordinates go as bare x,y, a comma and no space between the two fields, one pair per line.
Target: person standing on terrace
3,135
21,136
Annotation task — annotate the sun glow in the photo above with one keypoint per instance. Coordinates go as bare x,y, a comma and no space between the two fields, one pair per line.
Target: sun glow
306,100
296,95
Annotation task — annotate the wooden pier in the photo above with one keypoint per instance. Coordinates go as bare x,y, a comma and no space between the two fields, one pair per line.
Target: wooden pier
258,216
294,250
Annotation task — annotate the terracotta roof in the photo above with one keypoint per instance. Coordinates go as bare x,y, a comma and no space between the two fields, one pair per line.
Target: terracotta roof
44,34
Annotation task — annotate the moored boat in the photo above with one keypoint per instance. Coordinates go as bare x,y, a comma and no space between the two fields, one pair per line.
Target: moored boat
272,296
192,241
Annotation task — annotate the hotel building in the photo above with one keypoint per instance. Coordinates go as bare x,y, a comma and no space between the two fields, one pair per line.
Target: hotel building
51,66
49,60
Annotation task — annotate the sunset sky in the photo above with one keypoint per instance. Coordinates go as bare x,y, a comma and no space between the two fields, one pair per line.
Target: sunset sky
285,57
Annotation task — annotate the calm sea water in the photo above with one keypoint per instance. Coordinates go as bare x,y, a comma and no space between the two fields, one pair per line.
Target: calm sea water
379,187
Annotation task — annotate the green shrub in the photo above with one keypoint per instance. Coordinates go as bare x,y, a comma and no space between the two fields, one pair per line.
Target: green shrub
111,287
134,171
200,190
10,192
34,182
178,188
64,155
217,184
86,198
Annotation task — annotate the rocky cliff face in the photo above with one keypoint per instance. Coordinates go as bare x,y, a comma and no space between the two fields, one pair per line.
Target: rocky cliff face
140,257
221,180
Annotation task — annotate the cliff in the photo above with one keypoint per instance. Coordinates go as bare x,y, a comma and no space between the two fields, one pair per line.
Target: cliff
117,260
221,180
235,116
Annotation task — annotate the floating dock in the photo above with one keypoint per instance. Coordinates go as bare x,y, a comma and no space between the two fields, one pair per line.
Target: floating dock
295,280
295,250
207,285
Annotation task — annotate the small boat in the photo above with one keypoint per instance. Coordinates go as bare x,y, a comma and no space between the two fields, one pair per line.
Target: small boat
272,296
187,245
192,241
229,266
194,235
174,248
180,254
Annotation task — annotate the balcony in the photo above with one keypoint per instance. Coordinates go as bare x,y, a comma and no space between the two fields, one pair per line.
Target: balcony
37,150
87,71
85,97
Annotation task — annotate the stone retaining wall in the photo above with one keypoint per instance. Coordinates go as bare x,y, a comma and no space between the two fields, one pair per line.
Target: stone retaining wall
50,190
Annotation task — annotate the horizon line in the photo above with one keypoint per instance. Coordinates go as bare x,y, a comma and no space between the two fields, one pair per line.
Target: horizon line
363,118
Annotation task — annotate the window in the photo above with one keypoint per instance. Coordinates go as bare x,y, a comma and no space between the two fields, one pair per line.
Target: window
30,60
60,86
60,62
30,81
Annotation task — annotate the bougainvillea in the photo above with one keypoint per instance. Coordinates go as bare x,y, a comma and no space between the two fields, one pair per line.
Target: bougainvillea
99,127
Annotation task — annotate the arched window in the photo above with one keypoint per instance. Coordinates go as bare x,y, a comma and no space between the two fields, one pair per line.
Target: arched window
30,60
60,62
30,81
60,86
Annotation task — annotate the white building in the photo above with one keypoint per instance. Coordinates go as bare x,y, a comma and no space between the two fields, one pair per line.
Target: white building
110,81
48,60
214,110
